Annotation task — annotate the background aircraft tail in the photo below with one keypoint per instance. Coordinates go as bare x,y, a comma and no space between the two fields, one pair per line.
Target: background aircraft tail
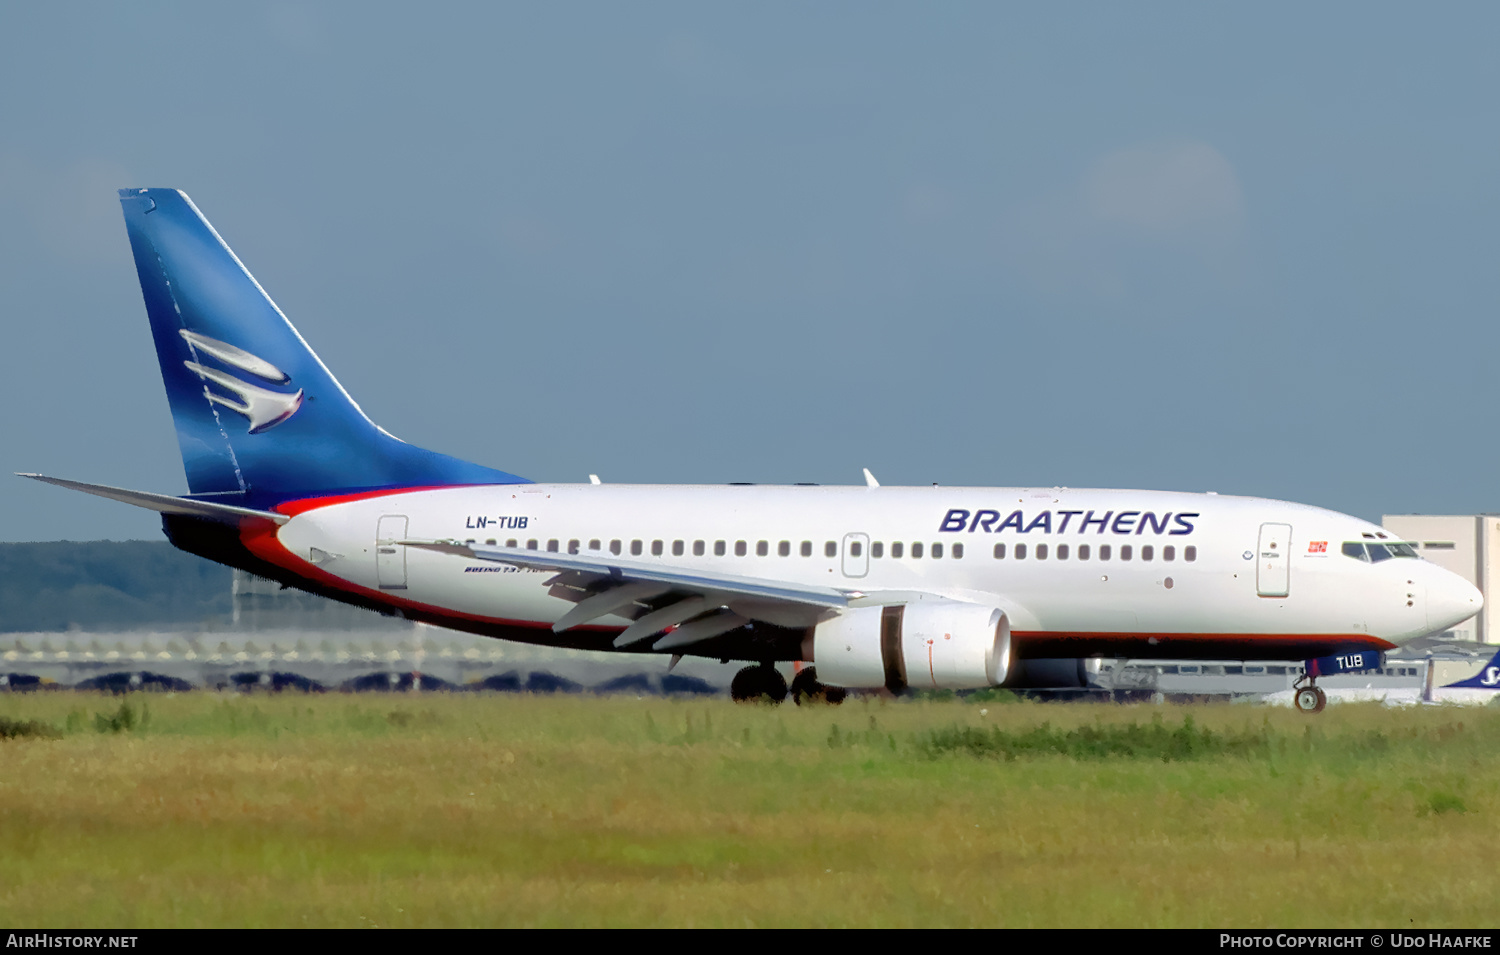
1488,677
259,418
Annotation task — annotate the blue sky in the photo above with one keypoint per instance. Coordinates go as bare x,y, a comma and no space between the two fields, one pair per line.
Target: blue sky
1249,249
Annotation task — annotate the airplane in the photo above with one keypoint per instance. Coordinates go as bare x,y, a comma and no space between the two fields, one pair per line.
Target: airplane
872,586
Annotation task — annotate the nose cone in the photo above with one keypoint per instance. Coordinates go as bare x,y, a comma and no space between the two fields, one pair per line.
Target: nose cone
1451,600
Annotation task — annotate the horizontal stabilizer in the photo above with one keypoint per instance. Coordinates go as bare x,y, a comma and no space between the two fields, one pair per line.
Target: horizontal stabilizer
165,503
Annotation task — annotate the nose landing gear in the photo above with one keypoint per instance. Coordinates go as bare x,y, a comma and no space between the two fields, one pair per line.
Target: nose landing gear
1309,698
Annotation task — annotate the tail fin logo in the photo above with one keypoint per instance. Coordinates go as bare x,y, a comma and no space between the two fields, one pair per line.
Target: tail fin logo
264,408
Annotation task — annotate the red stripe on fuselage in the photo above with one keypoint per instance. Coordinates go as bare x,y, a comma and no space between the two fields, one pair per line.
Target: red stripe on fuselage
1041,644
305,504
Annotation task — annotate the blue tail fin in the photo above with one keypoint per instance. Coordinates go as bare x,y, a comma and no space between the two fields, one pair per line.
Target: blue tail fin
259,418
1488,677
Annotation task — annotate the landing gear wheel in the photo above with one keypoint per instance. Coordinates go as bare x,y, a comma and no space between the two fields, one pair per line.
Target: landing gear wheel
1311,699
807,689
756,684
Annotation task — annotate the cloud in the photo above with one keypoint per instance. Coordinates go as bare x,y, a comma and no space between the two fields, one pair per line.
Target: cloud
1164,189
1163,216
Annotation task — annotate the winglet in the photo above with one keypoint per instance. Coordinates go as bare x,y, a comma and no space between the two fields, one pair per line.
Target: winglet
870,479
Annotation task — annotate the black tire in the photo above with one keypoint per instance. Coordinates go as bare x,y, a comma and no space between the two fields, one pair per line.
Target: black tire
756,684
807,689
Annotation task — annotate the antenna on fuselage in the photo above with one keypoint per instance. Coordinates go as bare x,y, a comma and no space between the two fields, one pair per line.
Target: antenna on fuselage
870,479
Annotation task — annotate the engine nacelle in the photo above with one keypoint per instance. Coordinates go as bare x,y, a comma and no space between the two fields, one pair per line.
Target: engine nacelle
944,644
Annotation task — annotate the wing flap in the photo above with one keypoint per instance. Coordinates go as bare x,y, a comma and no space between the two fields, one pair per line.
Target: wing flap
690,604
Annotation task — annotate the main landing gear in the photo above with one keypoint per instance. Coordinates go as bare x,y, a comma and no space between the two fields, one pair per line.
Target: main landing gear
763,683
1309,698
758,683
807,689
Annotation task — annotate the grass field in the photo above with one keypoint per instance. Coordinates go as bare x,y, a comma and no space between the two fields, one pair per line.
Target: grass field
505,810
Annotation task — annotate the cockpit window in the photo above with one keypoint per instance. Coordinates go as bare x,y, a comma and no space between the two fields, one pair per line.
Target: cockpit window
1374,553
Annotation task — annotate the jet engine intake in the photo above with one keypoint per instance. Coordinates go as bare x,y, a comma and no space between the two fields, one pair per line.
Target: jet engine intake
946,645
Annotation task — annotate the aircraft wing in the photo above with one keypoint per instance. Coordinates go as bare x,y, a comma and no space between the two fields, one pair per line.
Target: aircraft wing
698,604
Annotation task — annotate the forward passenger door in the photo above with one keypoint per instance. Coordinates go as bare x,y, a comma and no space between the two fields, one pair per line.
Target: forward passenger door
1272,563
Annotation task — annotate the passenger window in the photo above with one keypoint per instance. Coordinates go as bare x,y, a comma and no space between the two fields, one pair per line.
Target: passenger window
1169,553
916,550
897,549
572,547
531,545
1020,552
656,548
552,546
937,551
719,548
614,547
511,542
1041,552
1062,551
1190,553
762,548
830,549
1125,551
784,549
741,548
635,548
1147,552
594,544
490,542
1083,552
807,548
678,548
877,549
958,552
999,551
698,548
1104,552
855,548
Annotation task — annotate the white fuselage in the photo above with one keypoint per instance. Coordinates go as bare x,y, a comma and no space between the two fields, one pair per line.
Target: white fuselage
1152,572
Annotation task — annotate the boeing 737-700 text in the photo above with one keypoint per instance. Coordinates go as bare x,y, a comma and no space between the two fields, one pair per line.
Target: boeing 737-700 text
941,587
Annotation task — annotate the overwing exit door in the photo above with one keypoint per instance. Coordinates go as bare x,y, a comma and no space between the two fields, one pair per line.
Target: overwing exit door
390,557
1273,563
856,555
